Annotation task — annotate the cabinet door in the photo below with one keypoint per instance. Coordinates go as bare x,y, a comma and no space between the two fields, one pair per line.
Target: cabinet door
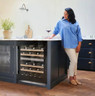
86,64
87,53
6,60
88,44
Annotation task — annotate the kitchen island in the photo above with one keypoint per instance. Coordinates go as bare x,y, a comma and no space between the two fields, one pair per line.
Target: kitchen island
41,62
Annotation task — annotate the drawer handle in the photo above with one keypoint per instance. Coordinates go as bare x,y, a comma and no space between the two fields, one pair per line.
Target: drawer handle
90,62
89,43
89,52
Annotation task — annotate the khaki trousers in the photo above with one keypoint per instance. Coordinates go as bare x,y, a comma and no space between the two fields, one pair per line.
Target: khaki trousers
73,57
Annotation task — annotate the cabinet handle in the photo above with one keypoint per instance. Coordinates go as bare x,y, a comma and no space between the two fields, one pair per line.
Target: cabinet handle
89,52
89,62
89,43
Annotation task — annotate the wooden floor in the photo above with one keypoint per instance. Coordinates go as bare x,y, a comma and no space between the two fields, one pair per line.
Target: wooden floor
62,89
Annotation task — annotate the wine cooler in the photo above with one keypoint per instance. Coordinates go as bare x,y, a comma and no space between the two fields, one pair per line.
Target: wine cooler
33,63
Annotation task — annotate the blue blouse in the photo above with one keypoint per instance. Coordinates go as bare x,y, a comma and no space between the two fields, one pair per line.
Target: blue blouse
70,33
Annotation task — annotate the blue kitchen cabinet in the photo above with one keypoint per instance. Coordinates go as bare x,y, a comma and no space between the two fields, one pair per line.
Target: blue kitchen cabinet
86,59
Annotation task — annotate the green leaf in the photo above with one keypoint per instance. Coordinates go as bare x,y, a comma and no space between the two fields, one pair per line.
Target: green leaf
7,24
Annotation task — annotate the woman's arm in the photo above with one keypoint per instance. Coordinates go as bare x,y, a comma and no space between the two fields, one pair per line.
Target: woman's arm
79,36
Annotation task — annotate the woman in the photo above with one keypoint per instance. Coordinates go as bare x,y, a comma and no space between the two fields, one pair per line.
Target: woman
70,33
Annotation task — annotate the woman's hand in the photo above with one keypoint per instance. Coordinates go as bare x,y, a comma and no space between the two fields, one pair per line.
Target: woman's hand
78,47
51,36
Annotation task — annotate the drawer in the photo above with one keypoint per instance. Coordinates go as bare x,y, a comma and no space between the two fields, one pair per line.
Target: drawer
86,64
87,53
88,44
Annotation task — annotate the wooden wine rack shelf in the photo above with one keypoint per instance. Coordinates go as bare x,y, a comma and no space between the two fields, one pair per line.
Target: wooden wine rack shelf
26,70
38,50
32,55
31,66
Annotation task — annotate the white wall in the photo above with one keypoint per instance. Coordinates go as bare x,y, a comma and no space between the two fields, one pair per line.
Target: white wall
84,11
45,13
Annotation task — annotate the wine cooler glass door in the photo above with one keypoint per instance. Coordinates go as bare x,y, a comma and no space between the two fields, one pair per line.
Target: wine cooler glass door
32,63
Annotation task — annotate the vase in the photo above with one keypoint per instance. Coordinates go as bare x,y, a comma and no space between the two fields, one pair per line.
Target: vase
7,34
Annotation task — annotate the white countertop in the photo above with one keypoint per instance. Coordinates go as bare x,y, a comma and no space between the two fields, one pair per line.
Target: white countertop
39,39
88,38
32,39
